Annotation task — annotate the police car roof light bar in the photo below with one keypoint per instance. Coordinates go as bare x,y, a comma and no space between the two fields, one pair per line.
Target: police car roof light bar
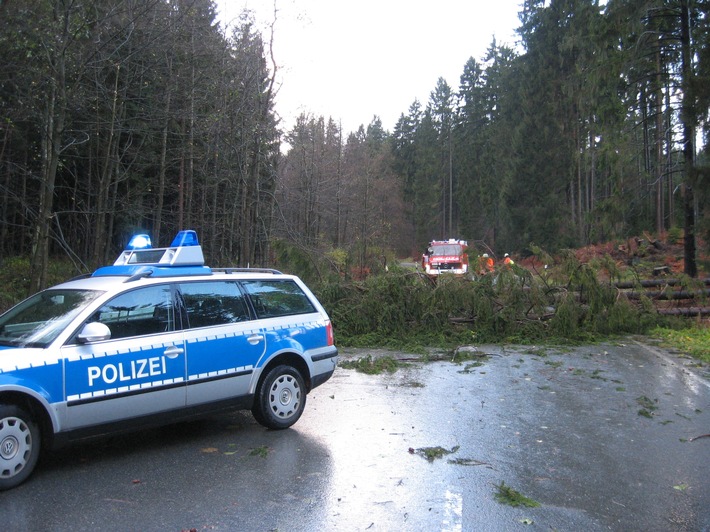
184,251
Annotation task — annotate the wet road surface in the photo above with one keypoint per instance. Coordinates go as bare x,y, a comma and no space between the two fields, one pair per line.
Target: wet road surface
602,437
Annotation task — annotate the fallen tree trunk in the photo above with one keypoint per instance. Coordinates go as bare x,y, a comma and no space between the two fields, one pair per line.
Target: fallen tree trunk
653,283
668,296
685,311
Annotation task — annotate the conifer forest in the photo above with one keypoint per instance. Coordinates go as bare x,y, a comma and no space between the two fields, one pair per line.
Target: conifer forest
125,116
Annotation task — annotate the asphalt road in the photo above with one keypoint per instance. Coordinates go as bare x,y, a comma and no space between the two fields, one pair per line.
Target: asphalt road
602,437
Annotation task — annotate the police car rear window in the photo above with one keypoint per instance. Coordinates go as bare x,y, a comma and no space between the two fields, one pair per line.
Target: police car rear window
277,298
211,303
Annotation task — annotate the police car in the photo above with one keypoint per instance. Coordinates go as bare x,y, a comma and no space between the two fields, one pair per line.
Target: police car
156,338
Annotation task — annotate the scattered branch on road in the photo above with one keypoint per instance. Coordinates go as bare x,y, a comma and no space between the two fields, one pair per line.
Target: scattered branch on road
507,495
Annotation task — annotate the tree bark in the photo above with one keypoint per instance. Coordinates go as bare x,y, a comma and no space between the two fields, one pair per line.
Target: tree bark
690,266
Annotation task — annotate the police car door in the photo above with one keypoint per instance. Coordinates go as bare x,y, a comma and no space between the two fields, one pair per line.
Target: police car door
138,372
223,343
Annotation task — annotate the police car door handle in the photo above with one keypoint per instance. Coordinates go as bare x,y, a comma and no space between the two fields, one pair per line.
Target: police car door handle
173,351
255,339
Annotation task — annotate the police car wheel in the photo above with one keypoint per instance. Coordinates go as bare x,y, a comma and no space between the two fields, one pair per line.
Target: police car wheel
19,446
281,398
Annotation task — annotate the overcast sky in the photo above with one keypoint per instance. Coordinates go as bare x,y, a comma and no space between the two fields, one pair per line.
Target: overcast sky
353,59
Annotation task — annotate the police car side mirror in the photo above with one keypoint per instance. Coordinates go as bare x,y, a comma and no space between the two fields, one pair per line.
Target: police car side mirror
94,332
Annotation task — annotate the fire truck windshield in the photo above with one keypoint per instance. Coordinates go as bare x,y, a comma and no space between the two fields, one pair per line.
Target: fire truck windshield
447,250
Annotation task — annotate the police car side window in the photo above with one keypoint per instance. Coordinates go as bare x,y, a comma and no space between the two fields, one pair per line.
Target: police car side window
213,303
142,311
277,298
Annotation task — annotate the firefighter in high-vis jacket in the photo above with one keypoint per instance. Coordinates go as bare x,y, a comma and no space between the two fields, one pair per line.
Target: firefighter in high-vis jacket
485,264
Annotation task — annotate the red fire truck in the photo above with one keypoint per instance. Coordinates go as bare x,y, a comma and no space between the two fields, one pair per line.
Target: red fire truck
446,257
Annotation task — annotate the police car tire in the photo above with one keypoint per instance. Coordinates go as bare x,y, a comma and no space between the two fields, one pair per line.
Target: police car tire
19,446
281,398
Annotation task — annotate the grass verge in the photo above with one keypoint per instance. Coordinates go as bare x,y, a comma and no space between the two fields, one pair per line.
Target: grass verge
694,341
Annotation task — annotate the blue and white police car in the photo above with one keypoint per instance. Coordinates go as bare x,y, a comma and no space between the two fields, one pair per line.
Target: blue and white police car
156,338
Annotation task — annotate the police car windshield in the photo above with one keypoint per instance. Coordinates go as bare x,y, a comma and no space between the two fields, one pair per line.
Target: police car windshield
37,321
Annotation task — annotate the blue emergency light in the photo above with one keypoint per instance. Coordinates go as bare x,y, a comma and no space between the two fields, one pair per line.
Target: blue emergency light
184,239
139,242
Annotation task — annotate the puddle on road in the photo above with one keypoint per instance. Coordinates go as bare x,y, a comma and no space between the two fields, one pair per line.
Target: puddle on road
562,427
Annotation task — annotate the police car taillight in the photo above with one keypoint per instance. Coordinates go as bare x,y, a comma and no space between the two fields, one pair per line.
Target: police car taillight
329,333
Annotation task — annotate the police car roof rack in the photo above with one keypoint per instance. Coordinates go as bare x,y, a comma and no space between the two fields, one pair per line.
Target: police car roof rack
247,270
